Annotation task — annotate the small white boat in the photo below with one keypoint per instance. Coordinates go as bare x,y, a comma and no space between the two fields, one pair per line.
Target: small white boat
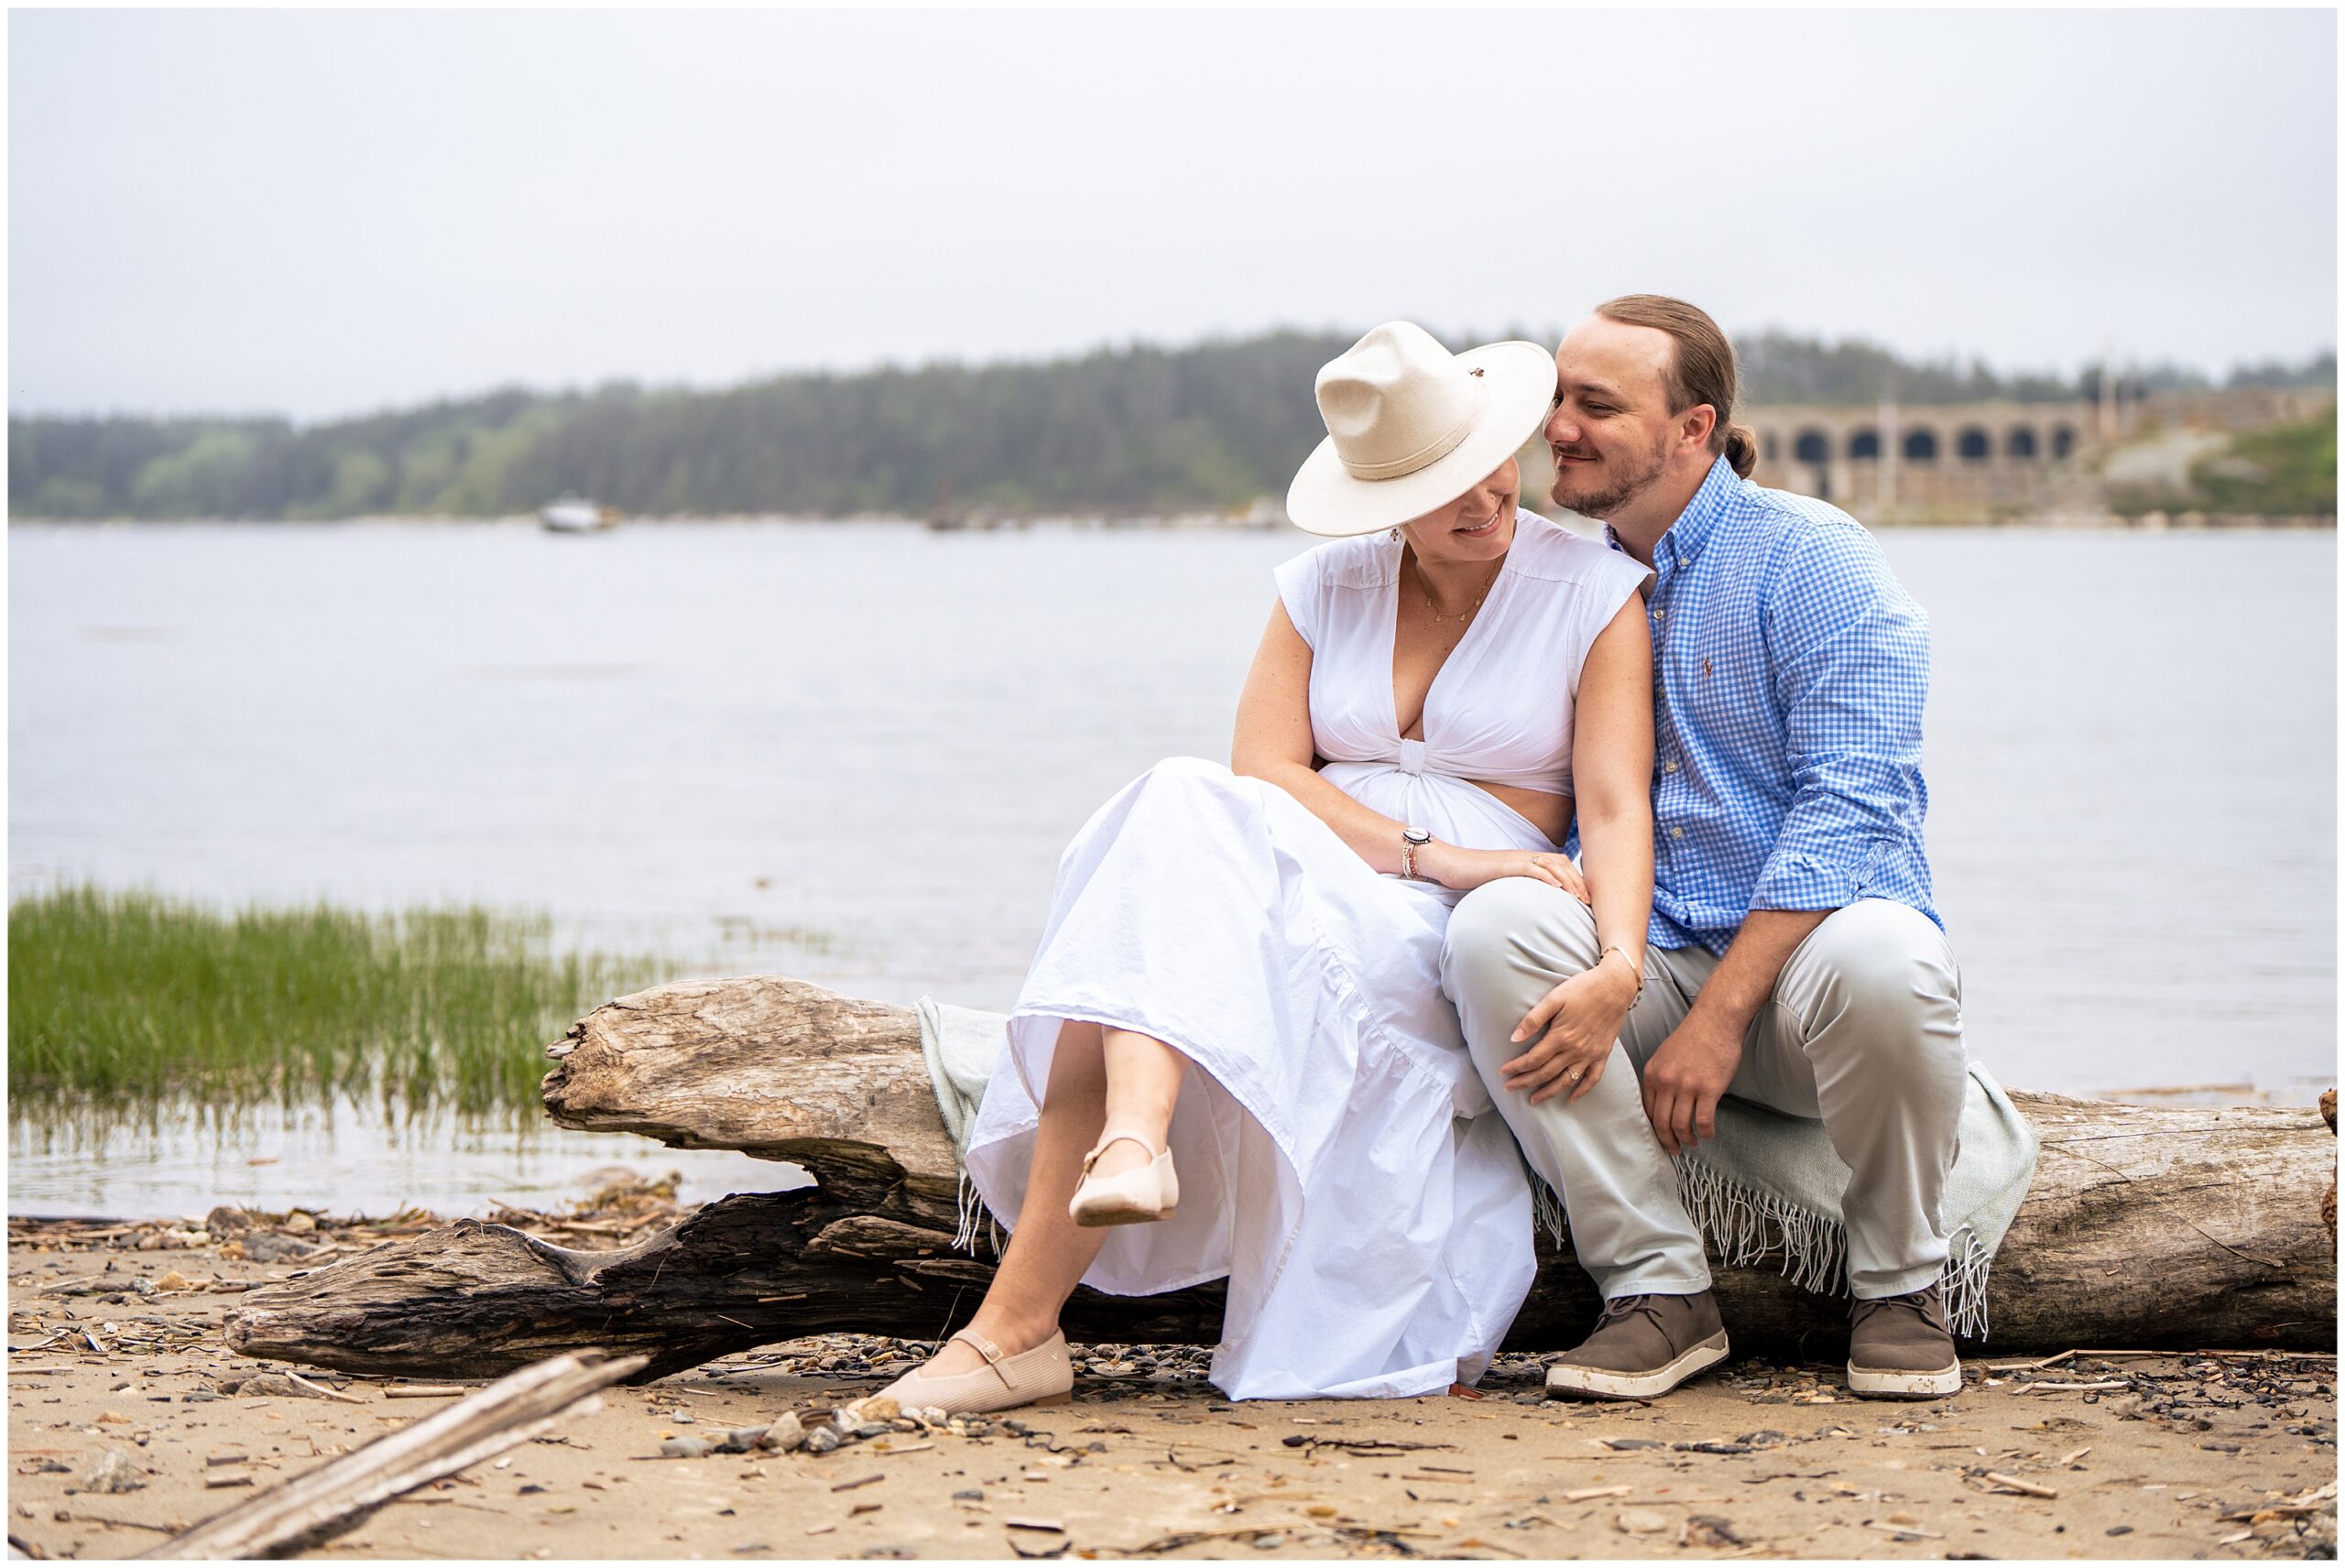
573,515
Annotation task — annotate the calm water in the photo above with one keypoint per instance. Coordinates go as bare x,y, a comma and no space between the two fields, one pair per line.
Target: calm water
852,753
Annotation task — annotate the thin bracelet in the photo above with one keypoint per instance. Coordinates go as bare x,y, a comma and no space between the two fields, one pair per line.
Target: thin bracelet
1632,964
1409,862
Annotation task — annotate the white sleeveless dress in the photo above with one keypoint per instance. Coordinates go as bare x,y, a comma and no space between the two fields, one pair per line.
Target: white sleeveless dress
1339,1159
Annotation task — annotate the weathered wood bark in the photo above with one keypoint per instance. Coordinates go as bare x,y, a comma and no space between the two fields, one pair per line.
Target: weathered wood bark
774,1068
2187,1227
339,1495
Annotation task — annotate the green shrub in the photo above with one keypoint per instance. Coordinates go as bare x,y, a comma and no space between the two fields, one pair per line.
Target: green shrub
2282,471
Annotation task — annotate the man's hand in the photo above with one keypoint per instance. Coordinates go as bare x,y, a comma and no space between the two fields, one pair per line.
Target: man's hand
1693,1066
1686,1077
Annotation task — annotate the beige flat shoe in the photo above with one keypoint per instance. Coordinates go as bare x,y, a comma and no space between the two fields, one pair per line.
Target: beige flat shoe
1043,1376
1135,1197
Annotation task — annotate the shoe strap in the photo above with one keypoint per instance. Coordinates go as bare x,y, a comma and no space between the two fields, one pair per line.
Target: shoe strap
989,1350
1110,1135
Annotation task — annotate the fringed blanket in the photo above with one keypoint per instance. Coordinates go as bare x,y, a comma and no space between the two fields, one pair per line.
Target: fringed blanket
1770,1185
1767,1184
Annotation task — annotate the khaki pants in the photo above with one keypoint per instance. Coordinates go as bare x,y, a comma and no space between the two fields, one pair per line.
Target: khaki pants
1864,1033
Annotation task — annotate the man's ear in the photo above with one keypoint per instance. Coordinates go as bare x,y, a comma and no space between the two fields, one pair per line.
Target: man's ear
1693,427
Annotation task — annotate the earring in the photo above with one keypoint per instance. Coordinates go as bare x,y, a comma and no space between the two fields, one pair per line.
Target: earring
1395,536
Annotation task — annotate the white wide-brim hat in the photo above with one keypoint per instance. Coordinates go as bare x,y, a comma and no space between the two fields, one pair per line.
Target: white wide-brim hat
1412,426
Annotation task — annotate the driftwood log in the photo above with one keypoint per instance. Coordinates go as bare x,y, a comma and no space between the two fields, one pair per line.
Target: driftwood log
2143,1227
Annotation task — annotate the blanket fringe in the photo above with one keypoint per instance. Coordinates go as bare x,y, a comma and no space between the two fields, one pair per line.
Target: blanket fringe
1745,1226
1967,1263
1547,1210
970,1209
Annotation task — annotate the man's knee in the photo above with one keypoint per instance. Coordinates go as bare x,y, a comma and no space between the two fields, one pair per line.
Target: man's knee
1891,968
1501,926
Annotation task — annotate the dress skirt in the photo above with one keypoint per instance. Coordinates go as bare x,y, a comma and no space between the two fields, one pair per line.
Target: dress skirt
1339,1159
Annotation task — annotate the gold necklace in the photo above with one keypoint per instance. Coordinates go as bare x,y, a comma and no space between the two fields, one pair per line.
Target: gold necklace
1430,604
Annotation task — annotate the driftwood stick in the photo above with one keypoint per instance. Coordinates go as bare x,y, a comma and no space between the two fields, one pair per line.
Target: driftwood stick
320,1504
2174,1227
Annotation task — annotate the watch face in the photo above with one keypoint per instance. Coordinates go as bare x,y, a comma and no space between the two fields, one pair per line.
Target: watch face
1416,835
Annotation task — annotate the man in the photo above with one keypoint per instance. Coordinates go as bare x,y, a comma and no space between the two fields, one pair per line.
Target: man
1793,958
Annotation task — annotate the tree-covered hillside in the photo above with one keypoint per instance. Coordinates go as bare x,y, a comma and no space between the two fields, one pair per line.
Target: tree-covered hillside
1212,425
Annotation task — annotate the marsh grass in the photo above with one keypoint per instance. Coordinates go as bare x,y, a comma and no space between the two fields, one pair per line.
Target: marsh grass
127,997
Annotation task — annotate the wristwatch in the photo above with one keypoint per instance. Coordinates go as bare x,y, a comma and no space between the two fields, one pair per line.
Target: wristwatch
1411,841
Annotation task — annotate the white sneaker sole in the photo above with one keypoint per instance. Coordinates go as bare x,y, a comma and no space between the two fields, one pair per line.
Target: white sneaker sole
1593,1383
1885,1385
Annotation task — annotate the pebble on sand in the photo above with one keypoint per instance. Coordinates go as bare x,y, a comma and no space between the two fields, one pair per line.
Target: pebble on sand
113,1471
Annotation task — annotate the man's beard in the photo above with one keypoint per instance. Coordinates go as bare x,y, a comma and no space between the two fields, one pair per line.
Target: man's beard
1605,503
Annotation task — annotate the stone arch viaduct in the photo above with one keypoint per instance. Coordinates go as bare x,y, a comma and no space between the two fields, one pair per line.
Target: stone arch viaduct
1880,460
1874,460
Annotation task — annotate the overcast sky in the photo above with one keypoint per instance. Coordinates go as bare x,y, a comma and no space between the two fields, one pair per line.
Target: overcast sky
318,214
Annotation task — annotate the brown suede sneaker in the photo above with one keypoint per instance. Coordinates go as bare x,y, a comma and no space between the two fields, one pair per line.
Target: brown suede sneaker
1899,1348
1643,1346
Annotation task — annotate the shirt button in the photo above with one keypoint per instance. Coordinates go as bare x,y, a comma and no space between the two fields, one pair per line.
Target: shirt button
1671,766
1678,833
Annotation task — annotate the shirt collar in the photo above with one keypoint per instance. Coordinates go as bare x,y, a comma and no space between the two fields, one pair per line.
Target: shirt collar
1684,537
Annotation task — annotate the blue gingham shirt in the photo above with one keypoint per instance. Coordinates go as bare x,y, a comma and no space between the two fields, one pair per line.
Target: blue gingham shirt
1789,674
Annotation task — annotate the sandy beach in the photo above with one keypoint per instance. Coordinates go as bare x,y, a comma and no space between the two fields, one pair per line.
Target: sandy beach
129,1417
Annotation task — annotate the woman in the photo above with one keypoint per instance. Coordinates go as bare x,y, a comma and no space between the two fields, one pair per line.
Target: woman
1236,1007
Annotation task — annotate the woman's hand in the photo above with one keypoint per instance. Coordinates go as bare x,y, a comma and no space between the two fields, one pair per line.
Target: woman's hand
1462,868
1575,1027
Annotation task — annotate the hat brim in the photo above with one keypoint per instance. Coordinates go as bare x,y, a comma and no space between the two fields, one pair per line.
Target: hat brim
1326,499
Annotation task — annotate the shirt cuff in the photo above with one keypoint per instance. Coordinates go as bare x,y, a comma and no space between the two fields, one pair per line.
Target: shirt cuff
1800,879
